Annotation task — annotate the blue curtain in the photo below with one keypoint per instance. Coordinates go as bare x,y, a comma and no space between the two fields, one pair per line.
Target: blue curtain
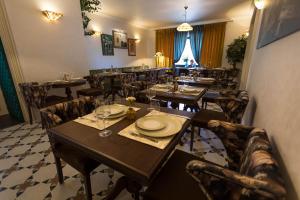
179,43
8,88
196,37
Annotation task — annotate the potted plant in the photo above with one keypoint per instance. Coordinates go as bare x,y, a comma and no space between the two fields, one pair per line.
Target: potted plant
236,51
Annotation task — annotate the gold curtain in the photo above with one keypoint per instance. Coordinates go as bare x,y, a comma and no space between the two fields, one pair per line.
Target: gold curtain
165,45
213,44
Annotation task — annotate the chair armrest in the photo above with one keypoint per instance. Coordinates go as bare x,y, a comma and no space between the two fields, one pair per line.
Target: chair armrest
223,129
265,188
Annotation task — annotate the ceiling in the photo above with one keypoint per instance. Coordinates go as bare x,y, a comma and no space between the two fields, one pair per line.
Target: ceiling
162,13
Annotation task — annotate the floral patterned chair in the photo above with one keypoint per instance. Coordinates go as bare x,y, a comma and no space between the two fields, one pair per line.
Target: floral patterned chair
253,171
233,104
61,113
96,86
254,174
36,96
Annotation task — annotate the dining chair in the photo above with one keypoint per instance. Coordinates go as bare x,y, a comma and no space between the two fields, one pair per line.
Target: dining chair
57,114
96,86
36,96
256,175
233,105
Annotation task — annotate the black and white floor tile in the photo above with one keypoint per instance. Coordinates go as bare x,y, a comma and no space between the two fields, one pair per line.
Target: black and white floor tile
27,168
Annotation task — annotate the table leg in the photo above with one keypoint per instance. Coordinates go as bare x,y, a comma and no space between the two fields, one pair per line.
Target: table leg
69,93
125,183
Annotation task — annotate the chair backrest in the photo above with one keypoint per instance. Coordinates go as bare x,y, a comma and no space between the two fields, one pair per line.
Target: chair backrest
95,81
234,105
258,162
63,112
34,93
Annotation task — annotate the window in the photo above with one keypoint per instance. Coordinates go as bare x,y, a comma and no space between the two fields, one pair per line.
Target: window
187,54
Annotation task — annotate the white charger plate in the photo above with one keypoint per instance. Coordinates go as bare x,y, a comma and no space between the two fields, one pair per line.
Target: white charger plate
116,111
150,123
173,126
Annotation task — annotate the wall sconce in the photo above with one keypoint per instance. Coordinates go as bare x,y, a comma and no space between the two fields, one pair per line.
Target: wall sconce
52,16
259,4
97,33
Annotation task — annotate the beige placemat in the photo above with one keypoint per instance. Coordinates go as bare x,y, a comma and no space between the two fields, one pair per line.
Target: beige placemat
91,121
197,92
161,143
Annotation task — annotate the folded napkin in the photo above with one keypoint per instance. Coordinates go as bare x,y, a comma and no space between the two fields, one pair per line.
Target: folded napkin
161,143
91,120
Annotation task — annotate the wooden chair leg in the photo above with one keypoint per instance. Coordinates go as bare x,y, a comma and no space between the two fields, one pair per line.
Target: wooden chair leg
59,169
30,114
192,138
87,186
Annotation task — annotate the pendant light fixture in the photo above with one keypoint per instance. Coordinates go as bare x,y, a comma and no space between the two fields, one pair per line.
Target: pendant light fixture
185,27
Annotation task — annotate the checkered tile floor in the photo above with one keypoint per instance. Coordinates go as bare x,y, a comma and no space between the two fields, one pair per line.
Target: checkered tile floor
27,169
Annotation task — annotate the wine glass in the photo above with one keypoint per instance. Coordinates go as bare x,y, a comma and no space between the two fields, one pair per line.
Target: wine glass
150,94
102,112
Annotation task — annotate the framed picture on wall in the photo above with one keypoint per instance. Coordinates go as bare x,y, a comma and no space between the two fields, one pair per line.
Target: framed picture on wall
131,47
120,39
280,18
107,45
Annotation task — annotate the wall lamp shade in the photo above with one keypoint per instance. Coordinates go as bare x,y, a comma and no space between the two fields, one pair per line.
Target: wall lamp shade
52,16
259,4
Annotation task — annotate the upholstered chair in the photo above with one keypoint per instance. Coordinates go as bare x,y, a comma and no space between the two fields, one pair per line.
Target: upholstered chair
61,113
36,96
252,172
233,104
96,86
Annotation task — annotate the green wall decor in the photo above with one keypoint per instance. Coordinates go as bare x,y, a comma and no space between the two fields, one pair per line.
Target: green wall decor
8,88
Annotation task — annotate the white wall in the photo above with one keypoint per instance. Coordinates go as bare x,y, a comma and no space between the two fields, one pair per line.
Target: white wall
3,108
106,24
46,49
273,85
234,29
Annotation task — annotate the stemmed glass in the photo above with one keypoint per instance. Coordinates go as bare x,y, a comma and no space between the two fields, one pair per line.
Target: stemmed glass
102,112
150,94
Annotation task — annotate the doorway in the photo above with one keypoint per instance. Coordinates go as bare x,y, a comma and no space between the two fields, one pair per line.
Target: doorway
10,110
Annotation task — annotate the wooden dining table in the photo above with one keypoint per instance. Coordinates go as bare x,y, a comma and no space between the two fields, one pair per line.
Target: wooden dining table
67,85
198,82
138,162
176,97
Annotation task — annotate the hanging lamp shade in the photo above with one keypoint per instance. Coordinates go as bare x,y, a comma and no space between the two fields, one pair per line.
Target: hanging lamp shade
185,27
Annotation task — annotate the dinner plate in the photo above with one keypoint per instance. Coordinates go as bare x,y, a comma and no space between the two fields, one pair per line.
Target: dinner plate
150,123
173,126
162,86
116,111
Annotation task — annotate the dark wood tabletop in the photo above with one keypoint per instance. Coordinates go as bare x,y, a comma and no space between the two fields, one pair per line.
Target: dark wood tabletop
200,82
134,159
178,97
71,83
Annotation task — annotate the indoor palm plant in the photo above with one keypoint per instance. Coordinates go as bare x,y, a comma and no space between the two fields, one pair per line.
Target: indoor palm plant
236,51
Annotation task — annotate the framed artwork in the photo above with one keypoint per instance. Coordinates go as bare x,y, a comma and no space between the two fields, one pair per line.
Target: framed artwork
107,45
131,47
120,39
280,18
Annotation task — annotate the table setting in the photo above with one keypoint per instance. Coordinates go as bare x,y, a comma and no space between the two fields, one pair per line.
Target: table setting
181,89
156,129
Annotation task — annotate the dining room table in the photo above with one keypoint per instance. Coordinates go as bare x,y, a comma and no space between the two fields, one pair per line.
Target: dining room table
68,84
187,95
136,156
196,81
